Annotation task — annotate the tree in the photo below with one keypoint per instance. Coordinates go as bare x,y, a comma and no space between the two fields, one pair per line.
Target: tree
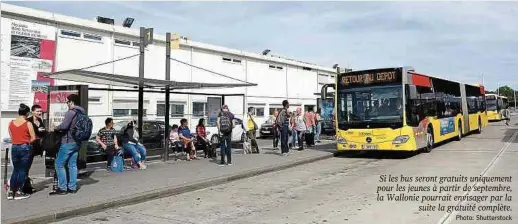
506,91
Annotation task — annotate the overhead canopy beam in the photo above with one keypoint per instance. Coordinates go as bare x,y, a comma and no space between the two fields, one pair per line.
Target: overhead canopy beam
100,78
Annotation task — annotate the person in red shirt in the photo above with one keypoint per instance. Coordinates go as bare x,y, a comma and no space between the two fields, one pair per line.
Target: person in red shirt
22,135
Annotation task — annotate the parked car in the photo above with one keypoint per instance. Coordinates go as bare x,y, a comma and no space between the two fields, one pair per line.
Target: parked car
238,133
266,130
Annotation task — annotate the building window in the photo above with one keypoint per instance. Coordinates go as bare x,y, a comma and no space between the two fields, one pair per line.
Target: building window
70,33
306,107
177,110
127,112
236,61
198,109
92,37
275,67
306,68
259,111
94,100
160,110
122,42
227,59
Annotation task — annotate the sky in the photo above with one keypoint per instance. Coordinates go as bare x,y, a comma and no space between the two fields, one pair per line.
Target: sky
462,41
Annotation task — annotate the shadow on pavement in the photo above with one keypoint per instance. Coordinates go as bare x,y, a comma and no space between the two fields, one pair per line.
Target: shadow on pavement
509,133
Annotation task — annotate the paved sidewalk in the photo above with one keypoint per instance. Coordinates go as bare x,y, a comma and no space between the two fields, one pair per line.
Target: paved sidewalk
103,189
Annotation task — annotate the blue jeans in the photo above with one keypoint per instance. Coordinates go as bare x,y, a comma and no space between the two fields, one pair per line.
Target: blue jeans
319,130
67,152
293,137
284,138
21,158
138,152
226,142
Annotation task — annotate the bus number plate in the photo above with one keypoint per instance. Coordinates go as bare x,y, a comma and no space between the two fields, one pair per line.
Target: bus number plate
369,147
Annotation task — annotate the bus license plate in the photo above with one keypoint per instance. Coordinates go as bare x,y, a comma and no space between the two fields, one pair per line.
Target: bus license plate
369,147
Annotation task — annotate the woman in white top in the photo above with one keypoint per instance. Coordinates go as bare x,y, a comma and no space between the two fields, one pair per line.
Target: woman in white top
300,127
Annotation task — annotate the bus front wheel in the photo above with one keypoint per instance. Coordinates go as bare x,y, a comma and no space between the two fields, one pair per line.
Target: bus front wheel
479,129
429,140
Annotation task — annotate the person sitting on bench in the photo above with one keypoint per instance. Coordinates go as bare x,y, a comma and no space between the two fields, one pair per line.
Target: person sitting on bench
174,138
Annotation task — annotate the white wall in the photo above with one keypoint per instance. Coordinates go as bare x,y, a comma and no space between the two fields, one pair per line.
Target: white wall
274,84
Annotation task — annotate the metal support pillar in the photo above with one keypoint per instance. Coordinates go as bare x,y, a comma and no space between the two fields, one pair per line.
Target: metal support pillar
167,93
141,80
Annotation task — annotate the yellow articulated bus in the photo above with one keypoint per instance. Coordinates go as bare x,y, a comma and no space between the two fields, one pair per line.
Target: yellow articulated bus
397,109
495,105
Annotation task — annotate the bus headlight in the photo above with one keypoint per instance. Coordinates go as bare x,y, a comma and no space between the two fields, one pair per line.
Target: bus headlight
341,140
400,139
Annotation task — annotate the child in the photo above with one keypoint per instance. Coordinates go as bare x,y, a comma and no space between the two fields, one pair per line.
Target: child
174,137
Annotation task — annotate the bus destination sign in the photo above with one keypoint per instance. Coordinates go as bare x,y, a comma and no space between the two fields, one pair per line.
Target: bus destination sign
370,77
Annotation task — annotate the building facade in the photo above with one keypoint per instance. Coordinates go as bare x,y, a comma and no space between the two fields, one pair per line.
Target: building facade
44,41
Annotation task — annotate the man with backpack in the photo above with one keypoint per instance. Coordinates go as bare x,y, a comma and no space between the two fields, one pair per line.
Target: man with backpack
283,124
225,124
75,128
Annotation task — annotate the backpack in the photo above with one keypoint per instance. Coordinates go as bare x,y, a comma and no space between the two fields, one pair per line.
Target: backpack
82,128
282,120
225,124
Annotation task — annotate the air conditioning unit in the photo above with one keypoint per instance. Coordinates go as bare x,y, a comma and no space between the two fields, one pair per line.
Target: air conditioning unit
344,70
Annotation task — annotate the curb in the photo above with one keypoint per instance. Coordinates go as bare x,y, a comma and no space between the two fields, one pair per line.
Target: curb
159,193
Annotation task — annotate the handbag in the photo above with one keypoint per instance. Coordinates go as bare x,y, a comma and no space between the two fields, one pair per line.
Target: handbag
117,164
255,125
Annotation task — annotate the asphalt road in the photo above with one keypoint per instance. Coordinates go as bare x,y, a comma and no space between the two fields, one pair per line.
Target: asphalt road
342,189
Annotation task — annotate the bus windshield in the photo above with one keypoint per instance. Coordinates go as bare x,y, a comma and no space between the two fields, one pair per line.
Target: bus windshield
491,104
370,107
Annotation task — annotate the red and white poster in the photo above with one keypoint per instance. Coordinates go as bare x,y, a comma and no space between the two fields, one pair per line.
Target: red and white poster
28,51
58,107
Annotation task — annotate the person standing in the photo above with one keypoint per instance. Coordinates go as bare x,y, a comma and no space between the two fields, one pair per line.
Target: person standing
283,123
22,134
107,138
225,124
39,131
300,127
506,114
275,129
293,131
310,127
252,129
69,149
318,122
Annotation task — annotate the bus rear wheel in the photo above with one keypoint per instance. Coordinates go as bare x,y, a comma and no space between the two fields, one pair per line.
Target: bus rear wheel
459,135
429,140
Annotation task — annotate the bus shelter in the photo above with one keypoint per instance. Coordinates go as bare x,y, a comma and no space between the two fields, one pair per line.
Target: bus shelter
131,84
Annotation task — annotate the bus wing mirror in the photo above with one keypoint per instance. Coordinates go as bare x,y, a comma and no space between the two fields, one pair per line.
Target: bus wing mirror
412,92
